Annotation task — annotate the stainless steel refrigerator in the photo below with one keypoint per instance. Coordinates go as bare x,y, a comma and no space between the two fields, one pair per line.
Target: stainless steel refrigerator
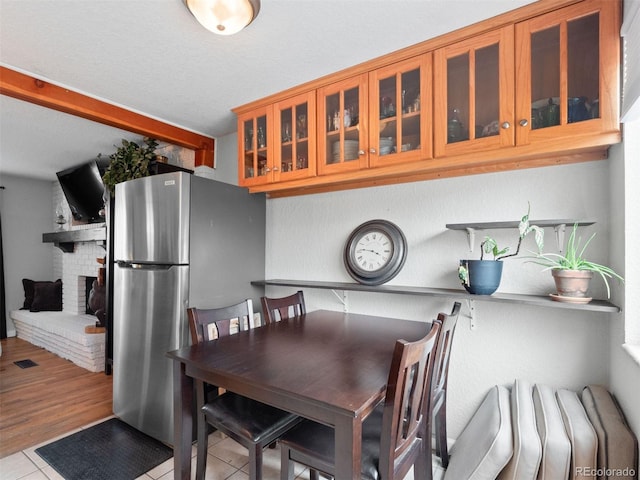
179,241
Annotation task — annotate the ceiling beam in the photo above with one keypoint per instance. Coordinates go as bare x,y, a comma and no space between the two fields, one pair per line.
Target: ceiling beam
34,90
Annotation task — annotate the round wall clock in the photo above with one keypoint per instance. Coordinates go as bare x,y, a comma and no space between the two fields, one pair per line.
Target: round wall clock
375,252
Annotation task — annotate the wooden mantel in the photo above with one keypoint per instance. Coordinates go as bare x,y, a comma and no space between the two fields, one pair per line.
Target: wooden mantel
34,90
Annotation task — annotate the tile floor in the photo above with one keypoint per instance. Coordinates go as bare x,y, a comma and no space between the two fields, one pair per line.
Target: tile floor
227,460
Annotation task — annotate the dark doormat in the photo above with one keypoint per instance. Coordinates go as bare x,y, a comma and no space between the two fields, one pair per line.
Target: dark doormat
26,363
111,450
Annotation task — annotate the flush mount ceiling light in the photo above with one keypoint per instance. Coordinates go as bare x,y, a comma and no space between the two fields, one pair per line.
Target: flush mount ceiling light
224,17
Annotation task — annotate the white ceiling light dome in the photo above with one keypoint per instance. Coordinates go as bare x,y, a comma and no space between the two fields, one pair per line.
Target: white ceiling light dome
224,17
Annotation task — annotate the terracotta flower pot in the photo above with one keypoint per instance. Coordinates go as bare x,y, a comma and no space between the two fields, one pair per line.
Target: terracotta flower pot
572,283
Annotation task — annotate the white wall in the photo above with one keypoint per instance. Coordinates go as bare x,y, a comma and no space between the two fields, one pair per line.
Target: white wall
625,217
27,213
306,235
226,159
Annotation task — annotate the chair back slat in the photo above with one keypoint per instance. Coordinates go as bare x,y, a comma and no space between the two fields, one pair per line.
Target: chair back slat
201,320
276,309
407,404
443,351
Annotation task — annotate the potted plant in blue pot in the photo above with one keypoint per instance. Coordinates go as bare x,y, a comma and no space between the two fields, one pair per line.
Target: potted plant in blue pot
482,277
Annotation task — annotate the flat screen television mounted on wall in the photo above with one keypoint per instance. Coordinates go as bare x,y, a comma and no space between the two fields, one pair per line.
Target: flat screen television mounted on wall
82,186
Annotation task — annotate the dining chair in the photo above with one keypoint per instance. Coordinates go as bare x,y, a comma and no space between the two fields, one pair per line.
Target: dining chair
275,309
393,436
252,424
440,381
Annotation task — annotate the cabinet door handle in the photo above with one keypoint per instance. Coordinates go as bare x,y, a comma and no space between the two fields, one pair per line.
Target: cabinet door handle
524,122
372,150
267,170
276,169
361,152
506,125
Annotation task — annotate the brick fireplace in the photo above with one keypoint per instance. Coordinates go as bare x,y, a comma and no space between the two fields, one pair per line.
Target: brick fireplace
74,268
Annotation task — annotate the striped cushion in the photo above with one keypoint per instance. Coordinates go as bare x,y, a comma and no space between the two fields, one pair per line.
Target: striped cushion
617,445
486,445
556,449
526,442
584,443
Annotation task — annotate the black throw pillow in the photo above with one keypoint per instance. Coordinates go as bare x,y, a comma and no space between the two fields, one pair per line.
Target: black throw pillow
28,293
47,296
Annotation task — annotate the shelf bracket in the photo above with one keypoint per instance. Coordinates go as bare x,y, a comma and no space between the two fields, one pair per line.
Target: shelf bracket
471,237
559,229
344,299
472,314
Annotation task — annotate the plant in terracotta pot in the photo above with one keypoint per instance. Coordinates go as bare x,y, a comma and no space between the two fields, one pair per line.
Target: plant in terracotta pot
482,277
572,272
128,162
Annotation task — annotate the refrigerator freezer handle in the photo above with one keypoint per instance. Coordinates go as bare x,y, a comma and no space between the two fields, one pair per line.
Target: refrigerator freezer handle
143,266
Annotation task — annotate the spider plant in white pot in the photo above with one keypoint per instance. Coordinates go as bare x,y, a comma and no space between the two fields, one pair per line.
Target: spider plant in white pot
572,272
482,277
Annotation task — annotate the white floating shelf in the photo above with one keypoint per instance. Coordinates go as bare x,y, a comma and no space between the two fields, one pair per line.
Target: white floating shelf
559,226
603,306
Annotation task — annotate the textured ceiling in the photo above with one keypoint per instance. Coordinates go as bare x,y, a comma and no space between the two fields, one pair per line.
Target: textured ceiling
151,56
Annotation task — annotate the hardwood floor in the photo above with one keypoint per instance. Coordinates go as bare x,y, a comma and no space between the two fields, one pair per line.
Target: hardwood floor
46,401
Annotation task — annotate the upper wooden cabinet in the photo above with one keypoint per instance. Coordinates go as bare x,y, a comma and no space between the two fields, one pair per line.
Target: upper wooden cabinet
277,143
537,86
474,94
376,119
255,135
567,70
562,65
295,138
400,112
342,126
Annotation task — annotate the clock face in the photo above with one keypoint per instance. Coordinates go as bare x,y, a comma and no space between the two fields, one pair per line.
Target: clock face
375,252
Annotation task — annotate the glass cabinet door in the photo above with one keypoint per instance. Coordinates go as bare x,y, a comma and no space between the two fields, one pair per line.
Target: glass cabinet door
474,90
400,112
559,83
342,117
254,138
295,138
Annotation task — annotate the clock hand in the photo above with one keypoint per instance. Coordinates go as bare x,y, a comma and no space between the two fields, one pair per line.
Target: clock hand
368,250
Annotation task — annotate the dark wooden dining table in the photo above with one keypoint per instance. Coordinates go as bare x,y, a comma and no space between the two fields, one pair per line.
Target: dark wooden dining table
331,367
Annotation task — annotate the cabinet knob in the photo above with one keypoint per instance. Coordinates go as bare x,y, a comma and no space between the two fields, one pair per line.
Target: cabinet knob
276,169
506,125
372,150
361,152
524,122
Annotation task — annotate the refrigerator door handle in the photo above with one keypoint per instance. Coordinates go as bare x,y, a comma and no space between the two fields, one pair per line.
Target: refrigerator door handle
143,266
